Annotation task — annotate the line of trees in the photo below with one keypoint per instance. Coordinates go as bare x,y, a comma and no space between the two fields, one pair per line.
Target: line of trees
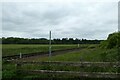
14,40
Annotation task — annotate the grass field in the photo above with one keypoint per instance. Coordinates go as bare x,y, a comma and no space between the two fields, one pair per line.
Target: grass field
91,53
14,49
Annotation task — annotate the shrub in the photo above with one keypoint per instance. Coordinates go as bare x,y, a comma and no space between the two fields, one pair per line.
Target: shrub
112,41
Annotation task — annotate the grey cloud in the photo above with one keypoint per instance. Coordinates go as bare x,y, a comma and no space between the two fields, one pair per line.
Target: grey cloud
78,20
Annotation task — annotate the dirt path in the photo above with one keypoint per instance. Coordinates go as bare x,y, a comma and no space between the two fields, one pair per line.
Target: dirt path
52,54
40,54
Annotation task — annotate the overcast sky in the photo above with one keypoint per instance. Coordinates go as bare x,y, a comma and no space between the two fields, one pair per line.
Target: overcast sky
90,20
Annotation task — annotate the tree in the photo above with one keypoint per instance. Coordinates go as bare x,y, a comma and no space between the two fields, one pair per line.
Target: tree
112,41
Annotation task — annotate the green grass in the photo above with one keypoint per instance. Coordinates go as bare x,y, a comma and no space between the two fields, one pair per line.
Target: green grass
55,67
15,49
9,70
93,55
88,54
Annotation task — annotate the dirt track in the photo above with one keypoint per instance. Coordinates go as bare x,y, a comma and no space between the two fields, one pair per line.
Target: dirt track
41,54
53,53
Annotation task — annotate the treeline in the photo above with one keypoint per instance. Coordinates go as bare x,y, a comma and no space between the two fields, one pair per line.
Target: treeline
15,40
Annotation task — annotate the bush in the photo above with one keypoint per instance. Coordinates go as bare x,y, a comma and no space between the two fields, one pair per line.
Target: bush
112,41
103,44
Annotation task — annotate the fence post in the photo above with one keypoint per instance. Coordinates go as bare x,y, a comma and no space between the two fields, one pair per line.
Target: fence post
20,55
78,45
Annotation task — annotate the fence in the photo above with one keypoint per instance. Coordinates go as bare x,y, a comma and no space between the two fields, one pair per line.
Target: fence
76,73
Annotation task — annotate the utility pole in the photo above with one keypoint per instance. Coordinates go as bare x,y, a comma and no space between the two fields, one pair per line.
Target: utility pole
50,44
